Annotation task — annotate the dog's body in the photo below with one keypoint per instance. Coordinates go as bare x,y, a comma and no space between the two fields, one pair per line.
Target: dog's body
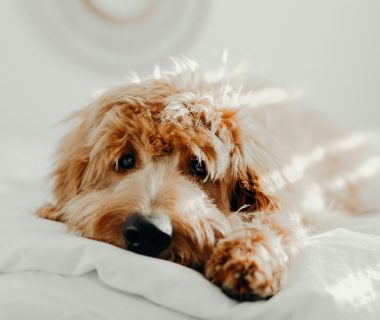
183,168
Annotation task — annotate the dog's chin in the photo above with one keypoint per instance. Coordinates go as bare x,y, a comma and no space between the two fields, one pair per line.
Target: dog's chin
188,251
184,257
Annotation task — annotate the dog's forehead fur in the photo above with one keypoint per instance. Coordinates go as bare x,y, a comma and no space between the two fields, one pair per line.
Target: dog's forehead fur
160,118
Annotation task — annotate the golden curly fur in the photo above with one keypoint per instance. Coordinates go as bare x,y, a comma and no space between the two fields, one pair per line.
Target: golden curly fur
273,172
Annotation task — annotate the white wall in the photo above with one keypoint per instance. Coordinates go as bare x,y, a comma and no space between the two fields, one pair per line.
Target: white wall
328,48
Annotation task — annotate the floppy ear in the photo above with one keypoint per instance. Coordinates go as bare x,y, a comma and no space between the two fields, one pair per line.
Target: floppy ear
253,160
248,196
71,163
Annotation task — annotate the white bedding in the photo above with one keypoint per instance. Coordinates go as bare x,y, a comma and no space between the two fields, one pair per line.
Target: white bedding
46,273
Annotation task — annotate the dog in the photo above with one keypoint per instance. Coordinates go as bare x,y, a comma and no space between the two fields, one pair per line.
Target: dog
190,167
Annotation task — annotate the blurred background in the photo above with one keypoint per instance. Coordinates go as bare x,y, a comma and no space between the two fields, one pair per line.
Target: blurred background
56,54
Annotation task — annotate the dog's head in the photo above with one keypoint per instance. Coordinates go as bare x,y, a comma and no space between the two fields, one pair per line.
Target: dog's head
160,167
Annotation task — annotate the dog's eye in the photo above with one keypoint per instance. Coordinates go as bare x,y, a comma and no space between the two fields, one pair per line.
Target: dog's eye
198,168
125,162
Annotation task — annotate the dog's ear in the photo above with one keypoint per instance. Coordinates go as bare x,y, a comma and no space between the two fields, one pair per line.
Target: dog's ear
71,162
246,195
51,212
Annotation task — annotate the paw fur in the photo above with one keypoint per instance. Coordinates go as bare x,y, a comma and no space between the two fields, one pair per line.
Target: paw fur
245,273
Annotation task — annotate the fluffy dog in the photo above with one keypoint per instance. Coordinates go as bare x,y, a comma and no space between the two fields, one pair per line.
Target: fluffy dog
189,167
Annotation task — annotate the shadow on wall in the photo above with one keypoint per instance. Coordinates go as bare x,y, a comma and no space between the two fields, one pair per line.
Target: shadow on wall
120,35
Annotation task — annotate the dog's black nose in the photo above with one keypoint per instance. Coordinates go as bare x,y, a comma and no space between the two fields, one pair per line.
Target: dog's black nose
147,235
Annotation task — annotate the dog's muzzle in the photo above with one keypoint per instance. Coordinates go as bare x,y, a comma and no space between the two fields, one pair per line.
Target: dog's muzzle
147,235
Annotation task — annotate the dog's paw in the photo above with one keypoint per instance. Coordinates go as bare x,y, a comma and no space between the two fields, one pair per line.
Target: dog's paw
245,271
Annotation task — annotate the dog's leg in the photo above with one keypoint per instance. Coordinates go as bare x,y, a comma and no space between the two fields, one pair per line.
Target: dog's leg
252,262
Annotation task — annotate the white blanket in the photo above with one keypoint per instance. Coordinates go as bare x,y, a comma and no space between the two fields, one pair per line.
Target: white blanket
46,273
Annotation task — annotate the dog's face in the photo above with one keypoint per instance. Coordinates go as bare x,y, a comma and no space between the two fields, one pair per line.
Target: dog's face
156,169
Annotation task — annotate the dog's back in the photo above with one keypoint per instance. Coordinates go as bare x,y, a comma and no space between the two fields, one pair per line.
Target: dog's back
321,167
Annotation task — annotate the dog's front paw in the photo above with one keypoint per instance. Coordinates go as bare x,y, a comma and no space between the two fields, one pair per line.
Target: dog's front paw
246,271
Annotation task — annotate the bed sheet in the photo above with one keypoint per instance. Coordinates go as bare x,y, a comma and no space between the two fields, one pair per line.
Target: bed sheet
46,273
